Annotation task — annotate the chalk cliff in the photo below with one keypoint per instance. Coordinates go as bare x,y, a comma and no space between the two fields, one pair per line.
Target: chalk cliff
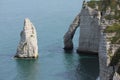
89,31
109,56
27,47
106,72
68,44
99,33
88,21
109,48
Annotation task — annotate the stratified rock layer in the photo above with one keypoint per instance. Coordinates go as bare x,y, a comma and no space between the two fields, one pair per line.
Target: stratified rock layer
27,47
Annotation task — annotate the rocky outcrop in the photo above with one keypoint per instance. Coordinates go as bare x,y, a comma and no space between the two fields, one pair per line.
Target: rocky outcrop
89,31
88,20
109,57
116,76
106,72
68,44
93,38
27,47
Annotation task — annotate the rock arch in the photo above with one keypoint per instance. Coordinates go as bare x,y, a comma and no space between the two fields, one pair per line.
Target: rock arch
88,21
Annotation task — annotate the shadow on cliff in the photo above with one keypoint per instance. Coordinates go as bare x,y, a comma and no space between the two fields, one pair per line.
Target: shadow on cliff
81,67
88,68
26,69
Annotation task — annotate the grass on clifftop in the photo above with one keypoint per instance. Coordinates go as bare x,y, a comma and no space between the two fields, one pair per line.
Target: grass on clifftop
114,28
103,6
111,29
110,17
92,4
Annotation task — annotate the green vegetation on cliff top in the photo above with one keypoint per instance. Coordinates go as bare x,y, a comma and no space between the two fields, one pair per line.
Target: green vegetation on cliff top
115,28
93,3
104,5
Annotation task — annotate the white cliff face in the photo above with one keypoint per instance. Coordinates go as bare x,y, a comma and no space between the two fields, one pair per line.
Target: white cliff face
116,76
108,69
28,47
89,30
92,39
68,44
106,72
88,20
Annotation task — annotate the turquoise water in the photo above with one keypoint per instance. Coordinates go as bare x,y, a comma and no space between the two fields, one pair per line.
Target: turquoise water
51,19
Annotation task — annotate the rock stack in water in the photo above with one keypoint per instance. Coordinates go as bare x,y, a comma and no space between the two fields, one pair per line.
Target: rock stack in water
88,20
27,47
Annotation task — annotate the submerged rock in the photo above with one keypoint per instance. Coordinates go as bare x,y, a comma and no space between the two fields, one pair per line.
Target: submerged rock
27,47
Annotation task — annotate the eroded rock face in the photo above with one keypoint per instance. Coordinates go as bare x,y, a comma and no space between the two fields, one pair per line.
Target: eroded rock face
116,76
68,44
27,47
89,22
108,60
106,72
89,31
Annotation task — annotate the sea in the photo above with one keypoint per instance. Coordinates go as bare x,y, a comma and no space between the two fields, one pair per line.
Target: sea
52,19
